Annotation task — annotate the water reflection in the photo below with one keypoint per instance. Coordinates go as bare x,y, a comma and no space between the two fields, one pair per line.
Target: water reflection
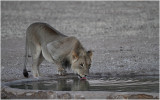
72,85
138,84
59,85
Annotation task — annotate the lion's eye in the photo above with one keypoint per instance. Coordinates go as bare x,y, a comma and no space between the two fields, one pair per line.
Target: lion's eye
81,64
89,66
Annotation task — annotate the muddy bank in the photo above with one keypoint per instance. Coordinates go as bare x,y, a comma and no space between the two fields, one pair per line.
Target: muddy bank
58,87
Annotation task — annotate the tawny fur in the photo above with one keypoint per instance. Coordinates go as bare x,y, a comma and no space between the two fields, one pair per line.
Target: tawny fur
47,43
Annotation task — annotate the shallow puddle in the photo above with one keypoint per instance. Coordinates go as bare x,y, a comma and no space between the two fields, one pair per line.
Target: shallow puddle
121,84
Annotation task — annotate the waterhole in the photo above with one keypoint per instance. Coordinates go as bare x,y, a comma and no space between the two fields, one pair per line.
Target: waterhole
120,84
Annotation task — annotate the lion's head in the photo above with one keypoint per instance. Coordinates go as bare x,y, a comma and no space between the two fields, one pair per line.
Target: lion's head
81,62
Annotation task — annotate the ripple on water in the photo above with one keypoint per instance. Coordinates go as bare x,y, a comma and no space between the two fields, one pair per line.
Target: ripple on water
123,84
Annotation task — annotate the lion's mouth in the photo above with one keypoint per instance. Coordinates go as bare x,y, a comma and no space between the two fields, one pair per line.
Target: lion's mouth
82,78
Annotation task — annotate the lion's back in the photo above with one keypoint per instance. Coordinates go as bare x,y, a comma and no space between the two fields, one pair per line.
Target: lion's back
43,32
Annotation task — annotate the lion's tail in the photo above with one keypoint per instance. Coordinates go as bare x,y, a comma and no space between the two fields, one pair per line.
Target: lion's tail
25,72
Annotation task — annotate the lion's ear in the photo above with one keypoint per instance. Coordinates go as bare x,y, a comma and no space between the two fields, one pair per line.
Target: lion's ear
89,53
74,56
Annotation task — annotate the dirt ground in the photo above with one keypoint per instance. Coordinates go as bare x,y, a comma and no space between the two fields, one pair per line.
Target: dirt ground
123,34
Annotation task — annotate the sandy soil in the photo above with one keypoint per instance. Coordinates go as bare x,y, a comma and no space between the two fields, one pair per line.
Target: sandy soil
124,35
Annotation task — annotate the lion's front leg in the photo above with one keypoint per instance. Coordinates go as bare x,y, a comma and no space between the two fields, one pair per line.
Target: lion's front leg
61,71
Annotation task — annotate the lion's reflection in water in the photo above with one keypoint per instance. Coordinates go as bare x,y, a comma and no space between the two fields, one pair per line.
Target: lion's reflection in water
60,85
72,85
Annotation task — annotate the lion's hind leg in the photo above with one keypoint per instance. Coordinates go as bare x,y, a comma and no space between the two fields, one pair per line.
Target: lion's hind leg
36,58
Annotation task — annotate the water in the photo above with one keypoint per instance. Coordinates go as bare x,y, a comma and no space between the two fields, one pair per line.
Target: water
134,84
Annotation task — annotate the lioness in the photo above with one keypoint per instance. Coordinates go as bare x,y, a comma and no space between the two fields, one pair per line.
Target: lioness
47,43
